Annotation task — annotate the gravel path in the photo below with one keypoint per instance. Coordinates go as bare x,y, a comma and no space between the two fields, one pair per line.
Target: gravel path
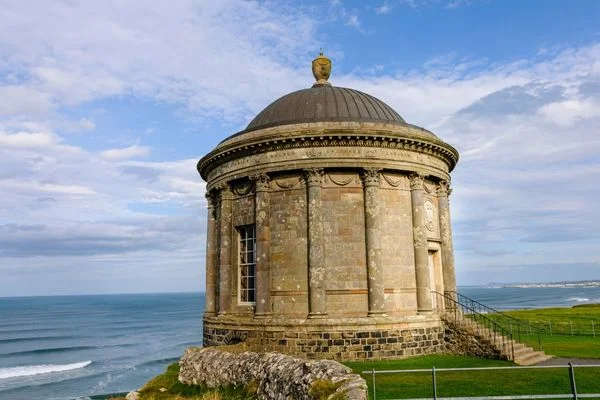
574,361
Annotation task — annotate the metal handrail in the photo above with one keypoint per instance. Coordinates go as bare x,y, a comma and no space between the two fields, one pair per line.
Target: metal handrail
505,337
509,321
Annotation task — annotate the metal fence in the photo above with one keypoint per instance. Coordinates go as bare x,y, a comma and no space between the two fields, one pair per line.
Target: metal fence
434,382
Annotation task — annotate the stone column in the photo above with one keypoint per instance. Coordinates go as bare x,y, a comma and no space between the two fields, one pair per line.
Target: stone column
373,219
420,243
212,256
263,245
225,248
317,303
443,191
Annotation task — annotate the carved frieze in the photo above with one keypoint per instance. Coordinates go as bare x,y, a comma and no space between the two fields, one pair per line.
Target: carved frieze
429,214
339,156
318,148
288,182
394,180
342,179
242,188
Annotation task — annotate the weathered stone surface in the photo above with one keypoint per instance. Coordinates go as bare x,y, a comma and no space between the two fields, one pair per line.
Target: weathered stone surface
276,376
350,229
462,342
347,339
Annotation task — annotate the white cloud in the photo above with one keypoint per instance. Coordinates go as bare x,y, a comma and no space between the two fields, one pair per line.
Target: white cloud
27,139
567,112
182,53
526,129
385,8
125,153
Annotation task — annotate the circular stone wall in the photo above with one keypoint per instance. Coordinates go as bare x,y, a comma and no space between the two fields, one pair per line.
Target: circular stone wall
328,230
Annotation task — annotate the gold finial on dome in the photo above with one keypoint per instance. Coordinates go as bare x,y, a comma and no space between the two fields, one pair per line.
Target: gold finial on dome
321,68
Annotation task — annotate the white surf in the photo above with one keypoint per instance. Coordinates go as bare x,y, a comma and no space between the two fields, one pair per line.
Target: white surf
28,370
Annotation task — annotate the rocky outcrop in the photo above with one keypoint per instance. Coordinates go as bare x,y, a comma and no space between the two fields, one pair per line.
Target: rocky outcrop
274,375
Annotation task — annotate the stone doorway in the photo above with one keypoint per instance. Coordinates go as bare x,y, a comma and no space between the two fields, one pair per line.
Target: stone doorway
436,277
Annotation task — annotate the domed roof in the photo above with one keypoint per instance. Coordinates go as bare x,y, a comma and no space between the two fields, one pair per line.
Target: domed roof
325,103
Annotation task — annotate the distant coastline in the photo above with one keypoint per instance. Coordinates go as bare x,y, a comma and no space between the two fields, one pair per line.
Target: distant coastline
565,284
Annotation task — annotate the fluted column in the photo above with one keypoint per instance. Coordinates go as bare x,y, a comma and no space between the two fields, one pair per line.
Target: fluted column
443,192
317,303
212,256
225,247
373,217
420,243
263,245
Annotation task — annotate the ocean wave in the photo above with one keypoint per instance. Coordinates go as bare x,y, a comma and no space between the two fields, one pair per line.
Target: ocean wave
51,350
578,299
162,361
29,370
37,339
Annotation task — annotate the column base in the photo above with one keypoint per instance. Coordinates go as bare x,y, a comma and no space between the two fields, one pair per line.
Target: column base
262,315
210,313
376,314
317,316
425,312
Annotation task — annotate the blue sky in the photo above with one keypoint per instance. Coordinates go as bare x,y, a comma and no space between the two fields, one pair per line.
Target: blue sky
105,108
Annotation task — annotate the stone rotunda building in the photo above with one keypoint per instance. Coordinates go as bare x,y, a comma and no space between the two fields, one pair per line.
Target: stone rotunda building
328,229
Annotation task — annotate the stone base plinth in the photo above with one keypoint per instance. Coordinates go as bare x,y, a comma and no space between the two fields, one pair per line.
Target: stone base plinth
338,339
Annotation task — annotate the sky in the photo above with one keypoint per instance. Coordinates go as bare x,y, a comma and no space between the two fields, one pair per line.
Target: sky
105,108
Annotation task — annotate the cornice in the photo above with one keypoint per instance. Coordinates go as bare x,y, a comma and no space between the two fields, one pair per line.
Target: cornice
334,138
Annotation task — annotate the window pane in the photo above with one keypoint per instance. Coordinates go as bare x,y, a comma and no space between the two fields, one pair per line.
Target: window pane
247,263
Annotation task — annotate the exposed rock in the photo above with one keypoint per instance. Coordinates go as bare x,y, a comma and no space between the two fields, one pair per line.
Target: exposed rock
276,376
133,396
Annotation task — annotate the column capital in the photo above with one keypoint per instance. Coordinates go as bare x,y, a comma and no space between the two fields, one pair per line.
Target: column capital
416,180
371,176
262,182
224,190
314,176
212,198
443,188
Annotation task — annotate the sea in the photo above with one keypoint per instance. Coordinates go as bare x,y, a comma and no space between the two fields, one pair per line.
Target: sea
82,347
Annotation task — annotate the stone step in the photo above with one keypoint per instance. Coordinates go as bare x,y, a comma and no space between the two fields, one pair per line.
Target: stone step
532,358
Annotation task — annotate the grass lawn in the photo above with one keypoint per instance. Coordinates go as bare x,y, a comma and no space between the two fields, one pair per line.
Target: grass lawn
166,386
585,319
471,383
583,344
566,346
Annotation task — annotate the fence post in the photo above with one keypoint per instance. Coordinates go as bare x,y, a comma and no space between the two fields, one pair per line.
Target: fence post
571,323
529,328
519,331
572,380
434,382
373,378
540,342
550,323
593,329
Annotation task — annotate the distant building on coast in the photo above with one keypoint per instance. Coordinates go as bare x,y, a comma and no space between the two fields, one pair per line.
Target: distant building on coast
328,229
